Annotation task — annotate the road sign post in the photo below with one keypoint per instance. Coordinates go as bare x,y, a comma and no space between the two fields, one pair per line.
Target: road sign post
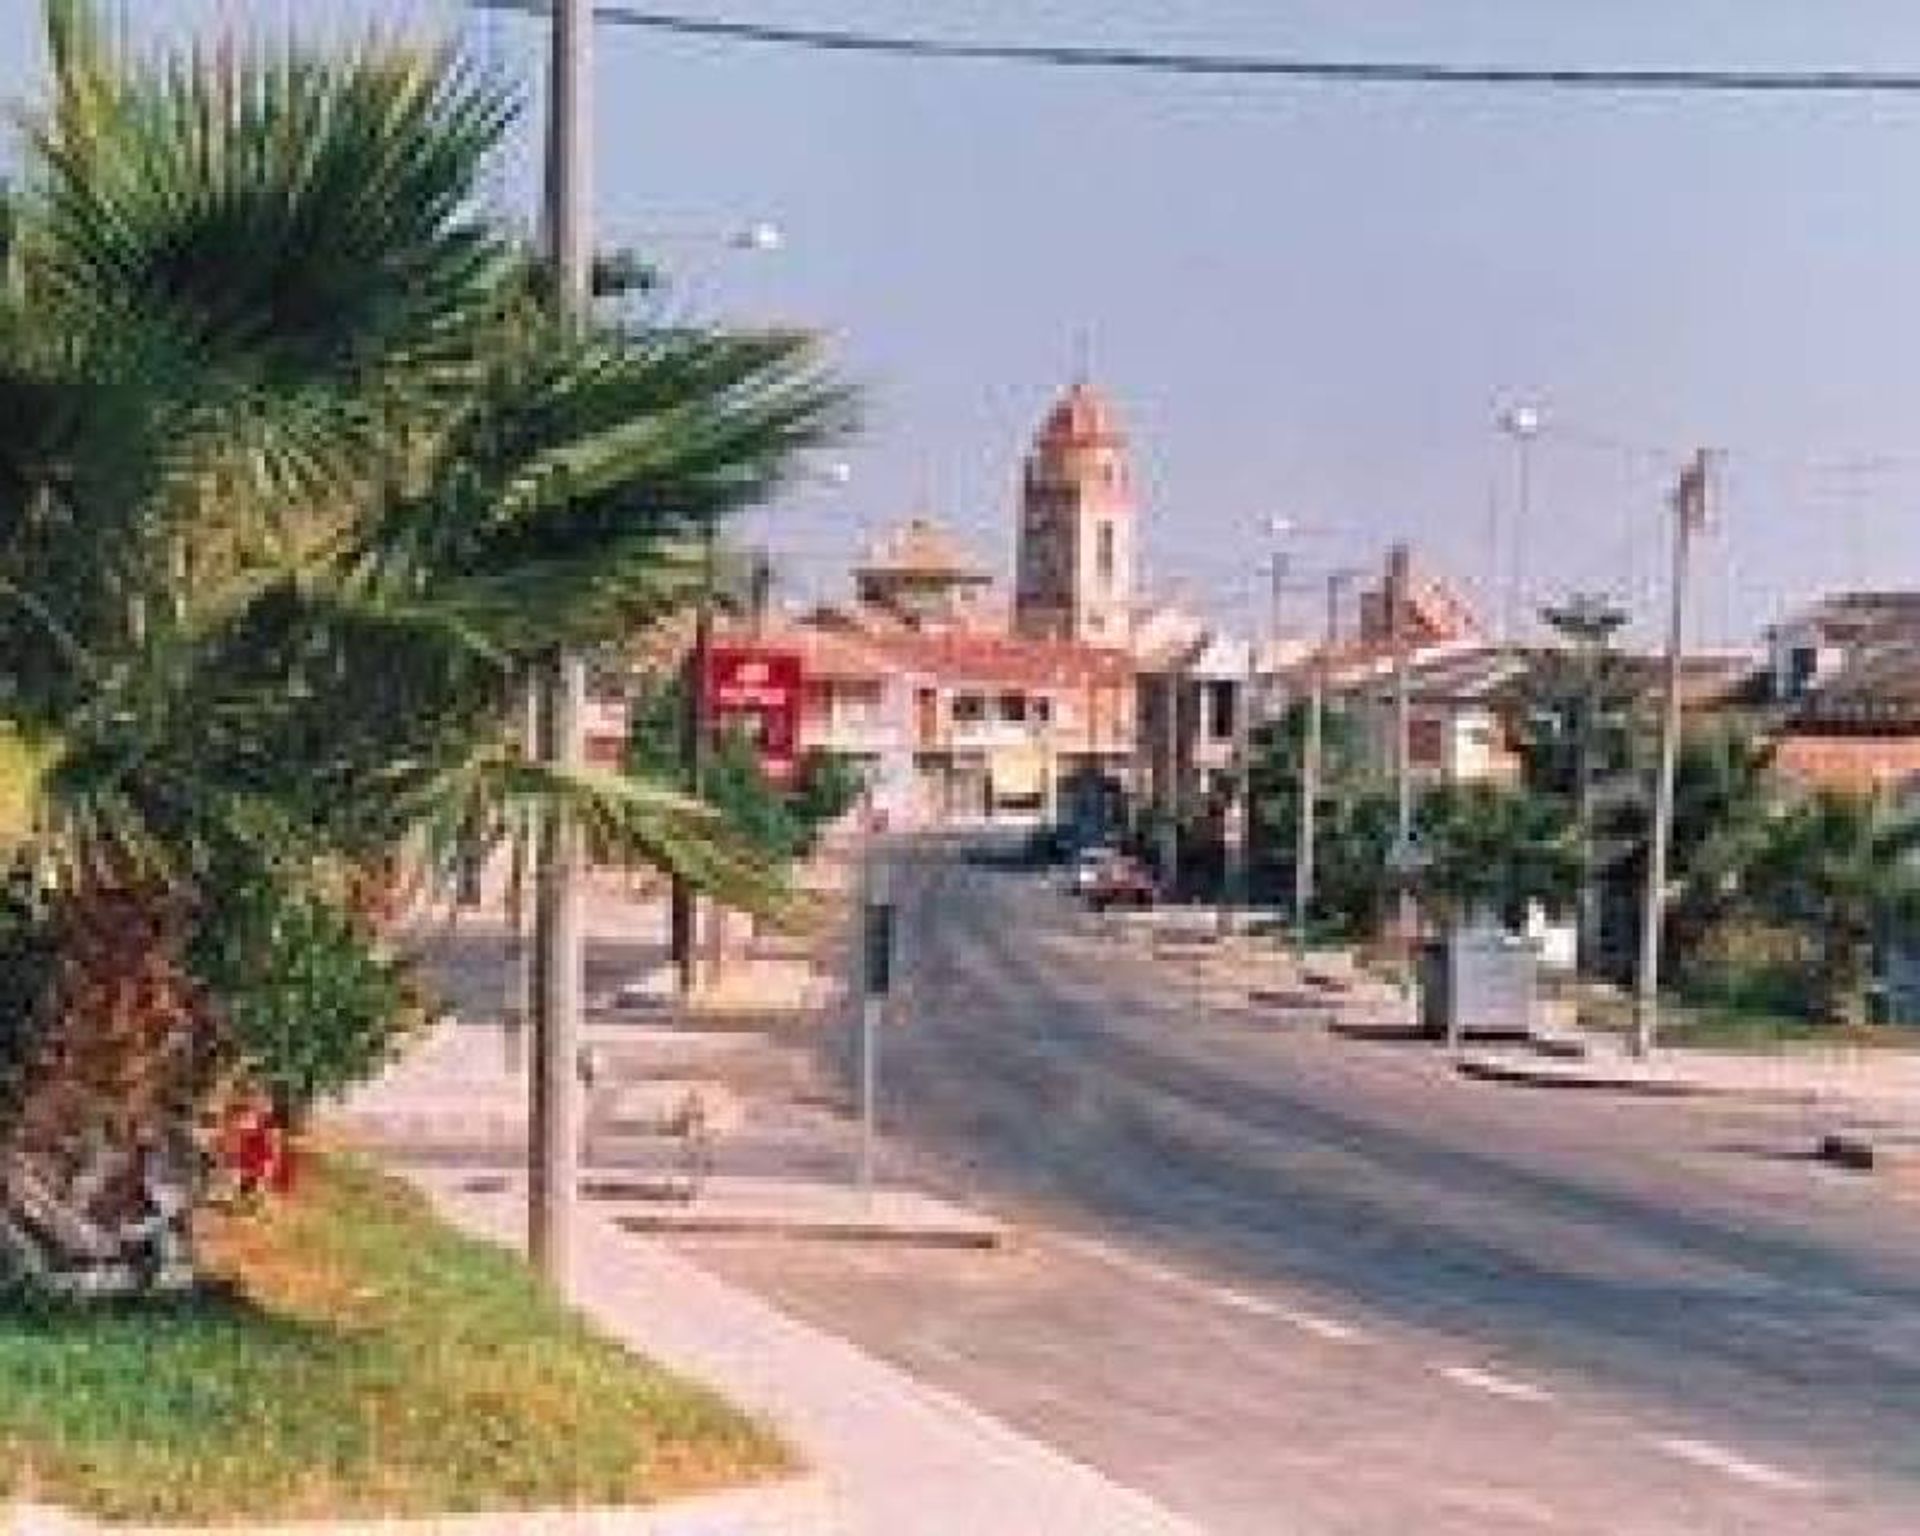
877,943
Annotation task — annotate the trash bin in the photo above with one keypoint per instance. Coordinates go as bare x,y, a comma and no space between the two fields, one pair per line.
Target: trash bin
1479,980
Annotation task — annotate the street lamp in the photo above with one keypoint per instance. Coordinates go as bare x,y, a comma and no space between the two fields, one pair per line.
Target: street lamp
1521,424
761,235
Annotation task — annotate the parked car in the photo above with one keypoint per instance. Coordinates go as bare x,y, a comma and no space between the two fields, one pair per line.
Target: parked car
1089,864
1122,882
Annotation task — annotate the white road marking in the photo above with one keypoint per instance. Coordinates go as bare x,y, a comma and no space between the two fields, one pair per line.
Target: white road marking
1494,1385
1218,1295
1703,1453
1259,1306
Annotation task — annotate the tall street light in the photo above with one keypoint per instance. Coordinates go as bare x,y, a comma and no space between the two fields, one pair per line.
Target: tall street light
1521,424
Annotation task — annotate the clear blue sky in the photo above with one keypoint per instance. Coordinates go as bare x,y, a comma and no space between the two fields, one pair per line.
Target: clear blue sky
1306,300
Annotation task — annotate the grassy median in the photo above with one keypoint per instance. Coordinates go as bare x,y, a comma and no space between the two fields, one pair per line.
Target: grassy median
360,1358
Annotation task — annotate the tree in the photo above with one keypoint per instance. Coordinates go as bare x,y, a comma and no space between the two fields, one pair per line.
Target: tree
1725,799
1352,882
782,823
298,479
827,786
1845,868
1572,718
1492,850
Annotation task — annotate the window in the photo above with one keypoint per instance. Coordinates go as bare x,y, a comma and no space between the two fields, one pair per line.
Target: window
1013,708
969,708
1220,702
1803,666
1103,555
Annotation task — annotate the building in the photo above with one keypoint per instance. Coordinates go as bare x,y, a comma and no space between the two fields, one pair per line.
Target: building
920,576
1192,689
954,718
1430,609
1854,724
1809,647
1075,570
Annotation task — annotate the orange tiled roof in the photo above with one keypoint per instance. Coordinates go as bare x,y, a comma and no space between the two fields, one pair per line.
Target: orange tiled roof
1082,417
1858,764
990,660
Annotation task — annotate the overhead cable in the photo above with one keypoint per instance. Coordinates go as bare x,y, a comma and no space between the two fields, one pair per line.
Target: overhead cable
1773,82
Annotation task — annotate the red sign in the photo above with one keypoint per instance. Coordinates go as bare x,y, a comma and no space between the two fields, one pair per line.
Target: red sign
754,691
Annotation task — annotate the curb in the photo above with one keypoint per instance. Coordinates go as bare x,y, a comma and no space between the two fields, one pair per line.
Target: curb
683,1221
1520,1075
801,1506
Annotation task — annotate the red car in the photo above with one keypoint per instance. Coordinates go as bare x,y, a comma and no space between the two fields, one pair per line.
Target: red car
1121,882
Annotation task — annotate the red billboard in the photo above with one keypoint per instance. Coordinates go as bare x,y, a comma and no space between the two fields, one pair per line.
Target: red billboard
754,690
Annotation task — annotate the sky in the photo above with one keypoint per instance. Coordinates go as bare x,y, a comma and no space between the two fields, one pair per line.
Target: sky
1306,301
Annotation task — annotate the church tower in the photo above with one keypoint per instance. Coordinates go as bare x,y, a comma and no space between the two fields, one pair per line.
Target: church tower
1076,558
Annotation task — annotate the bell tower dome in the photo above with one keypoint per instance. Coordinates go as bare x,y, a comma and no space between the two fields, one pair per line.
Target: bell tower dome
1076,556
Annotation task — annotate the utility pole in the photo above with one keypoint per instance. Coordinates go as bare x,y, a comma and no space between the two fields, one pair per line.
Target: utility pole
1303,863
876,983
694,744
1399,568
1689,518
554,1116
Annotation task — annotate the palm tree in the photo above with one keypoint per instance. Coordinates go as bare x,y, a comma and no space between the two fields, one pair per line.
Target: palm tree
1572,717
298,477
1846,869
1725,798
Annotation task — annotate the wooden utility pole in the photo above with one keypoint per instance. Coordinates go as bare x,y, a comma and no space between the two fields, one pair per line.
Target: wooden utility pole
1689,518
554,1114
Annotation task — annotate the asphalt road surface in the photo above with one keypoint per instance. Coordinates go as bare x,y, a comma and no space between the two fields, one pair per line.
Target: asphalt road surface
1285,1281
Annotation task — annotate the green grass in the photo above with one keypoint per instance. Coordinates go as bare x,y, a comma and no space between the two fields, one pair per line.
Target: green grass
1710,1027
360,1359
1701,1025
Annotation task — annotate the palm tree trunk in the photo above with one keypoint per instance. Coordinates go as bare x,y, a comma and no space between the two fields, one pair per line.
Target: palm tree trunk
99,1173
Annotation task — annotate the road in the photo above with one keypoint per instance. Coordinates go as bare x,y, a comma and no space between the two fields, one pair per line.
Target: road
1282,1280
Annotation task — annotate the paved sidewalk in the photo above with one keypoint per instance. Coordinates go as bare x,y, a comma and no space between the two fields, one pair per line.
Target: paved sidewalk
895,1455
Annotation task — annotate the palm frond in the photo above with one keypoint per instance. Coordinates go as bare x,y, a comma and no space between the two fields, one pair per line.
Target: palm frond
623,819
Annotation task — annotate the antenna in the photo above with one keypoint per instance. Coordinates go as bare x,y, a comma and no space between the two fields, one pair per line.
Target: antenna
1082,355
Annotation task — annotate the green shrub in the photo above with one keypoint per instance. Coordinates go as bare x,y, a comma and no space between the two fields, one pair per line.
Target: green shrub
1752,967
310,1003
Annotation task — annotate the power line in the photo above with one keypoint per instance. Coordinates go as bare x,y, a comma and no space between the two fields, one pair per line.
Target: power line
1832,82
